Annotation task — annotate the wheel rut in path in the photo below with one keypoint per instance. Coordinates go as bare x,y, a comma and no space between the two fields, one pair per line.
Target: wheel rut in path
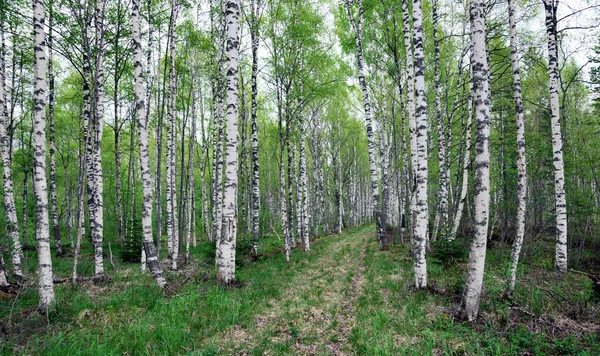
315,313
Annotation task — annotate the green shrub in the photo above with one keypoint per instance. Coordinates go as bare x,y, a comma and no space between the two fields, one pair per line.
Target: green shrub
448,252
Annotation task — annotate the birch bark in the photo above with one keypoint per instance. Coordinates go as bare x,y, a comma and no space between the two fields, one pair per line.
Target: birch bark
12,223
560,263
521,158
152,260
226,251
357,25
421,204
481,85
40,188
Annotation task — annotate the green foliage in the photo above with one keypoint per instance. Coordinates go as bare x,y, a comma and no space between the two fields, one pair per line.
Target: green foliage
132,249
448,253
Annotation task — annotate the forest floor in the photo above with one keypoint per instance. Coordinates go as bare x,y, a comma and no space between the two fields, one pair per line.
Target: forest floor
343,297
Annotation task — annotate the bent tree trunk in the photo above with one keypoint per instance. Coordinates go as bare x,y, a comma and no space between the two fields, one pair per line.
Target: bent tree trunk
148,243
226,251
40,188
481,84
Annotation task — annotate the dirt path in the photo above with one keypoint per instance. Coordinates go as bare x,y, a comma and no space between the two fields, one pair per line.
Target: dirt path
315,315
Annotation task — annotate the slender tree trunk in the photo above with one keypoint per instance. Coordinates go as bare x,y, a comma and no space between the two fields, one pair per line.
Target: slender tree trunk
53,196
410,107
173,240
226,251
12,223
560,263
357,24
422,210
441,216
42,228
190,194
466,163
147,240
96,197
481,85
254,37
159,137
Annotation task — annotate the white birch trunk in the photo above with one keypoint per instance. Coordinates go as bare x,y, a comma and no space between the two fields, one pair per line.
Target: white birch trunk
10,209
441,216
152,260
560,263
421,206
226,251
172,235
96,198
53,195
481,92
357,24
254,35
521,158
410,108
40,188
466,164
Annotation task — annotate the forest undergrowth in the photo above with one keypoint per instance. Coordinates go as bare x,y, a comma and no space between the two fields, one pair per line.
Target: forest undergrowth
344,297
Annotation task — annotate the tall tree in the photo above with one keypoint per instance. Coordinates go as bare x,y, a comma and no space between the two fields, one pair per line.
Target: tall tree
560,262
357,25
226,245
521,159
51,133
481,93
421,204
254,38
10,209
147,241
40,188
172,235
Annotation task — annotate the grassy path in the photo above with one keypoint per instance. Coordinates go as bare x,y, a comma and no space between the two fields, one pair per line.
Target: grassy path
345,297
315,312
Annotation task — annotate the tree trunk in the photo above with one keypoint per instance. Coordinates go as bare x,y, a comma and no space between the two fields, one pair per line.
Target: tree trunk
441,216
560,263
12,223
410,107
173,240
357,24
96,197
481,85
226,248
466,159
42,228
422,210
254,36
53,196
147,241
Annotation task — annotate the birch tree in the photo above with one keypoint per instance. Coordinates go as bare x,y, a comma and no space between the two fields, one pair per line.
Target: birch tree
481,94
226,247
521,158
172,235
254,38
421,206
10,209
560,263
42,228
152,260
357,25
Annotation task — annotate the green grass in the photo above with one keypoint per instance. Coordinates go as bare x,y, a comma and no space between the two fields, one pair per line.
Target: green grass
130,315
